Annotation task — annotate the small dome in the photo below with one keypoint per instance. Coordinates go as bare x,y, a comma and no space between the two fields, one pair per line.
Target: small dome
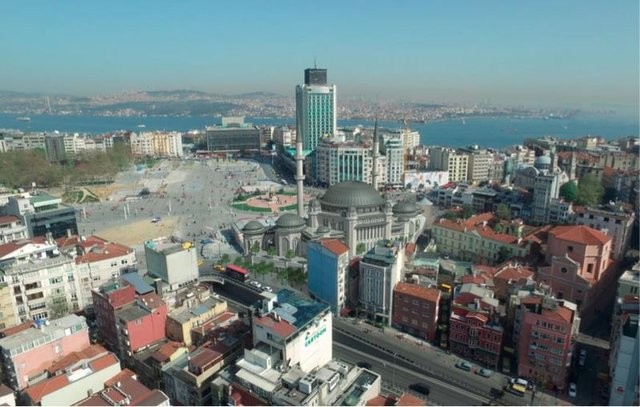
405,208
352,194
253,227
323,230
542,161
290,220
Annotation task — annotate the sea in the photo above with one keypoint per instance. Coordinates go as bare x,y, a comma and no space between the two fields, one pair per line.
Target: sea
493,132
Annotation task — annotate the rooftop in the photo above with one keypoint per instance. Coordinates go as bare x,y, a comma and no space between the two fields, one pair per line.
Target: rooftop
335,246
413,290
580,234
137,282
296,309
9,219
46,334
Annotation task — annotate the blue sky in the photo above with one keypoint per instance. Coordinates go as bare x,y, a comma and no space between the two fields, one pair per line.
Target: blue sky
536,52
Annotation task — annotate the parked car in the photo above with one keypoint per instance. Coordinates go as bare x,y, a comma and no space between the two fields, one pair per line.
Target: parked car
484,372
464,366
421,388
267,288
573,390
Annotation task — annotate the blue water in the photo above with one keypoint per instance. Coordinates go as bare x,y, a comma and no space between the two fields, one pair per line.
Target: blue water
488,132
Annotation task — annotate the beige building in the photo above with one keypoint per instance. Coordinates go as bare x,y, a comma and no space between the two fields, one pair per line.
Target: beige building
191,315
446,159
156,144
7,315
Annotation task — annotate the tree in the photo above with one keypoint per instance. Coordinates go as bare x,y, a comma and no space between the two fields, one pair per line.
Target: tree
590,191
503,254
224,259
58,307
502,211
467,211
360,248
569,191
289,254
255,248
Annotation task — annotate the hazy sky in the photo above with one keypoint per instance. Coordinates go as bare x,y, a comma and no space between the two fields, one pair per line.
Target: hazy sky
536,52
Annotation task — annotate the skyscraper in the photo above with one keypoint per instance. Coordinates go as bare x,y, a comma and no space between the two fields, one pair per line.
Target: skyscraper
315,108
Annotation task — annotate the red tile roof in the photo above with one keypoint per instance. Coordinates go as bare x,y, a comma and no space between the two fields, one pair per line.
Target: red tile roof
335,246
165,351
410,249
104,361
515,273
580,234
73,358
6,220
560,314
425,293
48,386
244,398
93,248
281,328
122,375
12,330
409,400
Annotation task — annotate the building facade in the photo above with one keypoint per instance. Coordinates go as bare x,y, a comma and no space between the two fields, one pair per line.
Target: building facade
545,343
175,263
614,222
327,263
315,108
233,136
416,310
12,228
26,354
380,271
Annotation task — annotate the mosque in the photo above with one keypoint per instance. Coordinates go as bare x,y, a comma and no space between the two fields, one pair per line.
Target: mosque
352,211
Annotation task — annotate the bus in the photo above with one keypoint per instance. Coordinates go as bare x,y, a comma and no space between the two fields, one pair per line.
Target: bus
237,272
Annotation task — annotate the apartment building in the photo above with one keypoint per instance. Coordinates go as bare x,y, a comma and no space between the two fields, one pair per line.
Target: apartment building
478,238
45,283
156,144
380,271
12,228
25,355
416,310
328,260
548,327
613,221
191,314
474,328
97,261
446,159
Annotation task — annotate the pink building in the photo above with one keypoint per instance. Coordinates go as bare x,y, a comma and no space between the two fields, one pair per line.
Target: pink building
141,324
27,354
106,301
545,340
578,259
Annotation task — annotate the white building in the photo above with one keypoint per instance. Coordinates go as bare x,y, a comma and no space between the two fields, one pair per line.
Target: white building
315,108
175,263
45,283
338,160
613,221
447,159
380,271
97,261
394,152
289,332
12,228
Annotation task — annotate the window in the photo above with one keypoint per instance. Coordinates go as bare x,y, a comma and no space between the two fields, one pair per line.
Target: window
563,269
590,268
569,249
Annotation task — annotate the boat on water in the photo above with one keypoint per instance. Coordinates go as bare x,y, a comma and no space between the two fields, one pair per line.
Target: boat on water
23,119
142,126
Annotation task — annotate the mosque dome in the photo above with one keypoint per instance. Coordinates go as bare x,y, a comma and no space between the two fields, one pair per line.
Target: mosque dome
405,208
290,221
352,194
542,162
253,227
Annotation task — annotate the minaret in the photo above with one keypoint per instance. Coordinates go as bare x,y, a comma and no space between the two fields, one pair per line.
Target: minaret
299,177
376,153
